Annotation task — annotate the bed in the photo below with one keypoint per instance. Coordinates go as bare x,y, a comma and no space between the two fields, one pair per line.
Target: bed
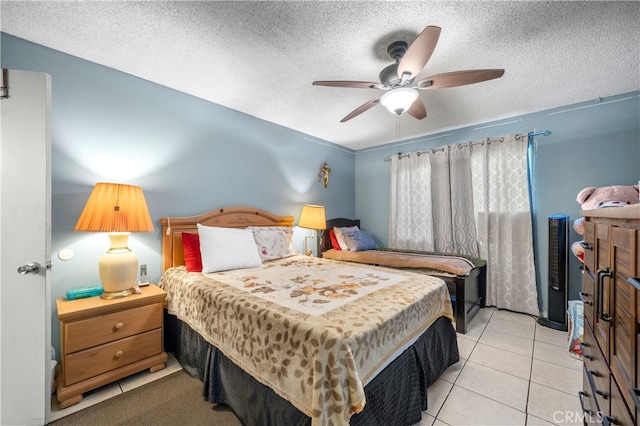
465,276
304,340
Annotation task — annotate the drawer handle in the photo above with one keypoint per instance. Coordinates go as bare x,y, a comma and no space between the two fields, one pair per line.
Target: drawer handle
584,353
602,274
585,245
635,396
595,373
582,296
581,395
119,354
118,326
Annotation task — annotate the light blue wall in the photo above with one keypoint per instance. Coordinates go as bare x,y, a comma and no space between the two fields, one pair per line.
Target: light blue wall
594,143
188,155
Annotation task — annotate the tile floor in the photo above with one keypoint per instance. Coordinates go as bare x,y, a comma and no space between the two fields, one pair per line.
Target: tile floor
512,371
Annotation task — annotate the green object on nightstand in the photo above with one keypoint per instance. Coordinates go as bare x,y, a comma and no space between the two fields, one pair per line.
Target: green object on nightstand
80,292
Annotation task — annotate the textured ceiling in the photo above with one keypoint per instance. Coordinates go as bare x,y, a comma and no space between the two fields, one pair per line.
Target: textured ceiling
261,57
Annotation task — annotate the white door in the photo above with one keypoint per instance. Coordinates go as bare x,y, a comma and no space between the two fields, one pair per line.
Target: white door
25,237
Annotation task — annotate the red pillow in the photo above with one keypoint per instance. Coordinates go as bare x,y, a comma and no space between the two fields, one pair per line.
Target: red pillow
334,240
192,256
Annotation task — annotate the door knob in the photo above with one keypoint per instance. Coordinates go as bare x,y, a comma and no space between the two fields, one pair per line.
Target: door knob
29,268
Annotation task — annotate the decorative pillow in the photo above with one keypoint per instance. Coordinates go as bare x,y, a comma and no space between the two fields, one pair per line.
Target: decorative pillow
192,256
334,240
273,242
224,249
358,240
338,231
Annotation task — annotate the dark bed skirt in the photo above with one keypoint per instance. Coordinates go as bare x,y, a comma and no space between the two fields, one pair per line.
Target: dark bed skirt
396,396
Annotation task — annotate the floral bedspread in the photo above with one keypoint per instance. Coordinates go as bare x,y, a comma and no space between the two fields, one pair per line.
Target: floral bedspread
314,330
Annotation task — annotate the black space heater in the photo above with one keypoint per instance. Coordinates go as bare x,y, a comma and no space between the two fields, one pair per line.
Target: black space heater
558,273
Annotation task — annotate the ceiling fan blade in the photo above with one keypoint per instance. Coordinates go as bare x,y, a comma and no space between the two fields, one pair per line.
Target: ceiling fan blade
417,109
362,108
419,52
458,78
354,84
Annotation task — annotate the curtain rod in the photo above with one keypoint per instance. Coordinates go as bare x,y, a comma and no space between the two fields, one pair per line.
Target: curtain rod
460,145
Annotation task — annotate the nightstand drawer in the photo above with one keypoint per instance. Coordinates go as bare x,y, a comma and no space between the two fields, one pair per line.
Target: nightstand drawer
92,362
90,332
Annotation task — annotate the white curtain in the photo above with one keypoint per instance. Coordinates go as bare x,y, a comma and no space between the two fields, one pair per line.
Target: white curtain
410,219
471,199
432,202
503,223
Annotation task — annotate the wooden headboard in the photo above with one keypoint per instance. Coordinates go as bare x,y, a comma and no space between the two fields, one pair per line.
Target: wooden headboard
228,217
338,223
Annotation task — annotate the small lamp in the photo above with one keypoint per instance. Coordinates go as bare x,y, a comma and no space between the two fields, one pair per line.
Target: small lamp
312,217
119,210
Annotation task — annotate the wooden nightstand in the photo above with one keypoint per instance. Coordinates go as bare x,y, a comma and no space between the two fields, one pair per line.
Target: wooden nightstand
106,340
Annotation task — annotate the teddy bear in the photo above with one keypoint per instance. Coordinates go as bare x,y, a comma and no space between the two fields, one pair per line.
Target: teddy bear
607,196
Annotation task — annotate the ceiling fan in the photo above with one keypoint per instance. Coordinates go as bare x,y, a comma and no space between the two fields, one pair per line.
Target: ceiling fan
398,78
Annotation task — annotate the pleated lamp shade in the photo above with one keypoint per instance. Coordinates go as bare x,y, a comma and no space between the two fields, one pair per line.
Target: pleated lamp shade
117,209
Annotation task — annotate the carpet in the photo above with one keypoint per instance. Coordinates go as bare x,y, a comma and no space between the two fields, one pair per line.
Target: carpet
172,400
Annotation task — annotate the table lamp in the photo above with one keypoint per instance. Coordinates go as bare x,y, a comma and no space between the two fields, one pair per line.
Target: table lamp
312,217
118,209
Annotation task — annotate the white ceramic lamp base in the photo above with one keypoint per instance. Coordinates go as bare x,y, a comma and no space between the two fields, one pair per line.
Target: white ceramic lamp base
118,268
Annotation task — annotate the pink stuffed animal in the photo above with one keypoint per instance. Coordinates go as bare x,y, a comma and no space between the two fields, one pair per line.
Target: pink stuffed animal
595,198
607,196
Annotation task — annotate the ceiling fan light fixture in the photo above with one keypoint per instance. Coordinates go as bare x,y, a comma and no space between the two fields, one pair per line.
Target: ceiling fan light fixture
397,78
399,100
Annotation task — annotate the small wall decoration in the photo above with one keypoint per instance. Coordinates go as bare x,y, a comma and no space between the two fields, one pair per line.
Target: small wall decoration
324,174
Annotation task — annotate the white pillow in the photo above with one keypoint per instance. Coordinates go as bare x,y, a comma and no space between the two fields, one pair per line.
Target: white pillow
340,238
223,249
273,242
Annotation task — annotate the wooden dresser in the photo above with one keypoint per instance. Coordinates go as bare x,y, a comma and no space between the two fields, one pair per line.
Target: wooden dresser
611,296
106,340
